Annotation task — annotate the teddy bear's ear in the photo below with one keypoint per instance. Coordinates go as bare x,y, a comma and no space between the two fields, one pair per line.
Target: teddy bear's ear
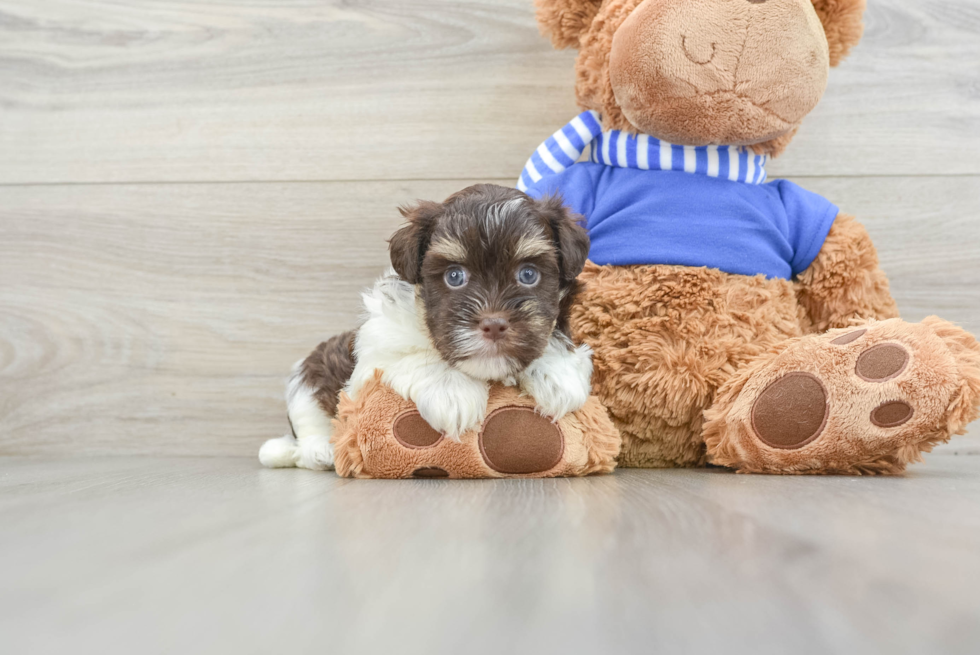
564,21
842,23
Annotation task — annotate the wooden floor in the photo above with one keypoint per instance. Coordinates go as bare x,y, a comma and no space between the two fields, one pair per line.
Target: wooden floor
215,555
191,196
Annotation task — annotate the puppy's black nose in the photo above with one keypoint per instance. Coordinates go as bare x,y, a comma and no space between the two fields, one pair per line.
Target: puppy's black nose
494,328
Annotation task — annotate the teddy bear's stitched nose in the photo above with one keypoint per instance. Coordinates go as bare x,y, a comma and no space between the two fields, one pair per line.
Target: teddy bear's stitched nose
757,2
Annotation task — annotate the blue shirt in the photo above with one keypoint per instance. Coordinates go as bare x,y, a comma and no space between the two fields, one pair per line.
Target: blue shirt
637,216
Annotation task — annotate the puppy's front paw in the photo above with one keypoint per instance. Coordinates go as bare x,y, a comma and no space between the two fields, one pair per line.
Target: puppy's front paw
454,408
560,383
556,397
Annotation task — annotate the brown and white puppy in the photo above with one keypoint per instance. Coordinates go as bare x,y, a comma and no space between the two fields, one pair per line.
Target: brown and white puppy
479,291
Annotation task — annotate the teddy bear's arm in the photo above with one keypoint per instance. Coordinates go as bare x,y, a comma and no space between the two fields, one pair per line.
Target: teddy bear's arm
844,282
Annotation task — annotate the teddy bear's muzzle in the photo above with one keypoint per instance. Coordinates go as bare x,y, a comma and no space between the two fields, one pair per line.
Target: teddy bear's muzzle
712,72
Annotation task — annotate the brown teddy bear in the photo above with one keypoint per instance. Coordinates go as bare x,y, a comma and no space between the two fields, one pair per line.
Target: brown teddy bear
734,322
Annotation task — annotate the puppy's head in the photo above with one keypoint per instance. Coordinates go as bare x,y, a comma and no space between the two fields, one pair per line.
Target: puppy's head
495,274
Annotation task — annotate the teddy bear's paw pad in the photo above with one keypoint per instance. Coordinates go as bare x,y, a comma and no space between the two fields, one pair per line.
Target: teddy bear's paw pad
850,337
791,412
430,472
892,414
881,363
411,431
517,440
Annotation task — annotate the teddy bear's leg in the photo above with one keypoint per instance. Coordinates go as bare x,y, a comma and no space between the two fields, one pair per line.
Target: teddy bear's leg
859,400
664,339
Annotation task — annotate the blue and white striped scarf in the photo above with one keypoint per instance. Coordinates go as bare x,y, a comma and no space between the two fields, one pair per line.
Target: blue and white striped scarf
625,150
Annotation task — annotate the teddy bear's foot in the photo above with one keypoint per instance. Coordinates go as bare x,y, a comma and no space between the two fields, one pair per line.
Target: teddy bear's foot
862,400
382,435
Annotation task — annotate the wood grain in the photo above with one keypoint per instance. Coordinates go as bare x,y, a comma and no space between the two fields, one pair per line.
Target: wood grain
163,318
191,196
221,90
195,555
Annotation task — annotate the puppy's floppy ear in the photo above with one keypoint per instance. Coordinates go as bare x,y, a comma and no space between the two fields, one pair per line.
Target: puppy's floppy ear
571,239
407,246
565,21
843,23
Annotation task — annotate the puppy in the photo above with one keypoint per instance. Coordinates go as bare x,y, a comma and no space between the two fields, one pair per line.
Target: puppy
479,291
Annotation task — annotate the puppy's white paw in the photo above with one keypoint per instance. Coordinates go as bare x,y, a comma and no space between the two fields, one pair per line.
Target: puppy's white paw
455,407
556,397
315,453
279,453
560,381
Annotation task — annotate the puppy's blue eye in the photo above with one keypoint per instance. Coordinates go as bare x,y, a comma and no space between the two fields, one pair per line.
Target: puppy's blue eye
528,276
456,276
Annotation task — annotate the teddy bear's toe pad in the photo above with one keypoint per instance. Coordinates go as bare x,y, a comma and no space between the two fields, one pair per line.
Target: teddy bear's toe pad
892,414
882,362
411,431
791,412
430,472
517,440
848,338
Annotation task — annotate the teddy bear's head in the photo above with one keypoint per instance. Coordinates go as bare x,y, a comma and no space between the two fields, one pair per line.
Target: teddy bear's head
704,72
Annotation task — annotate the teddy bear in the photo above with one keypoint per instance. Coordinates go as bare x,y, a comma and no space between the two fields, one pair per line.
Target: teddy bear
734,321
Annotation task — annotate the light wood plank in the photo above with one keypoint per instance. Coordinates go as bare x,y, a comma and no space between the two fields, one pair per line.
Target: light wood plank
121,91
903,102
151,316
192,555
163,318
